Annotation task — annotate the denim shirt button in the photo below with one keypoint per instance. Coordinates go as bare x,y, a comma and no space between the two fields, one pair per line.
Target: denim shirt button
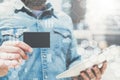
44,56
45,76
65,34
67,40
14,76
26,70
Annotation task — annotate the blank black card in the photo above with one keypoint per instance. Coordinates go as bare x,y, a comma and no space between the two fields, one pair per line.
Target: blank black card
37,39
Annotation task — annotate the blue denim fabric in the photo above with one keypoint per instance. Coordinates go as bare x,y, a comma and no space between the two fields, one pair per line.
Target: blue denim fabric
43,63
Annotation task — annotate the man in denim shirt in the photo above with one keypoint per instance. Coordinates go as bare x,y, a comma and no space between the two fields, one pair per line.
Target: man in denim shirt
39,63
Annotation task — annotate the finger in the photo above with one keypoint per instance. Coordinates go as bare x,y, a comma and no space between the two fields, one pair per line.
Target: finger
84,76
19,44
9,63
97,72
20,60
9,56
90,73
12,49
104,66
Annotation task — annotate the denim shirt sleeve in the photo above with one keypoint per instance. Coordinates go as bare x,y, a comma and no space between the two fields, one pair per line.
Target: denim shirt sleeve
73,57
4,25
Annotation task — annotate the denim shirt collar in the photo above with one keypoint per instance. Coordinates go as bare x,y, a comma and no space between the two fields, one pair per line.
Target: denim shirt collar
47,12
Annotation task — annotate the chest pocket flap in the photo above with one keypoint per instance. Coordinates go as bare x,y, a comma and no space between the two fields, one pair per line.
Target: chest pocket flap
63,32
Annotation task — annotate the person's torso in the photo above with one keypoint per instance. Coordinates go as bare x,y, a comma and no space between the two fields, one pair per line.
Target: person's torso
43,63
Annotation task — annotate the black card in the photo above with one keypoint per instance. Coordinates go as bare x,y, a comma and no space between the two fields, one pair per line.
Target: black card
37,39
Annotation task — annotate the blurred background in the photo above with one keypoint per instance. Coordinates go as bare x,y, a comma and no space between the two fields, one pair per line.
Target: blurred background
96,21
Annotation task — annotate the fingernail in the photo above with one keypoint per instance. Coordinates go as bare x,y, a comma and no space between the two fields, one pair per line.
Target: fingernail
27,57
30,50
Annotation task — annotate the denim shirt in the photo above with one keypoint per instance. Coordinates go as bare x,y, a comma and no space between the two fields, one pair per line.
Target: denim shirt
43,63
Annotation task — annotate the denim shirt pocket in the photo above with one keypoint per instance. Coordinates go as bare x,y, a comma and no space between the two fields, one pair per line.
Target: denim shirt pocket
66,38
12,33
